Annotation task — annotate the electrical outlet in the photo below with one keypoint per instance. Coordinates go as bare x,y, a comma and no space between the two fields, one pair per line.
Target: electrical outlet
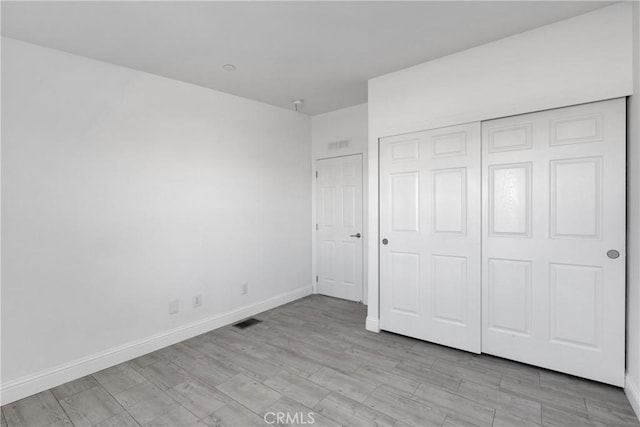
245,288
174,306
197,301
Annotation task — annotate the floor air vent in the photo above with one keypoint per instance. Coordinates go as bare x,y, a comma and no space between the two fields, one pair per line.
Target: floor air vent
246,323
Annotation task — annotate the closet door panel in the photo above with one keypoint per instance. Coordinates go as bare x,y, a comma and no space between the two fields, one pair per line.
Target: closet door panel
430,221
554,239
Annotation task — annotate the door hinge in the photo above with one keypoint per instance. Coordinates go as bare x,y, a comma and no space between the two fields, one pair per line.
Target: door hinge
316,226
316,174
316,279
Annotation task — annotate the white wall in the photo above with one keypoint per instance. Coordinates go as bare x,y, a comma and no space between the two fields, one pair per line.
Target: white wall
632,386
345,124
582,59
122,191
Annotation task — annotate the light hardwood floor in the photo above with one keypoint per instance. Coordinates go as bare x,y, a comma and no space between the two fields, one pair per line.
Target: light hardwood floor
313,356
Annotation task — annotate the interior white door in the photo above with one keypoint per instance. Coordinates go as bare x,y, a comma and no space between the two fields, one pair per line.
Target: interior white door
339,228
430,235
554,239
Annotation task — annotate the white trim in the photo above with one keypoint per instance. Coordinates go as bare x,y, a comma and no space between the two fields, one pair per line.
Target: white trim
314,221
633,394
373,324
44,380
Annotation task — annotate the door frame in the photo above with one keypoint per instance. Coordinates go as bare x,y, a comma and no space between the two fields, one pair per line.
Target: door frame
365,221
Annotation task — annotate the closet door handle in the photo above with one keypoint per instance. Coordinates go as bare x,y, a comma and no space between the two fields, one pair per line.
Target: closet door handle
358,235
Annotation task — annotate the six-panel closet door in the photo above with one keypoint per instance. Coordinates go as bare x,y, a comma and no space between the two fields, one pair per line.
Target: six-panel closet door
430,236
554,239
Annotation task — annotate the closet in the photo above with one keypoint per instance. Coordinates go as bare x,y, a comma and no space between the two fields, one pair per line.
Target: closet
507,237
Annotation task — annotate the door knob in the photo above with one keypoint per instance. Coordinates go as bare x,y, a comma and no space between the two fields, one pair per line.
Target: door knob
613,254
385,241
358,235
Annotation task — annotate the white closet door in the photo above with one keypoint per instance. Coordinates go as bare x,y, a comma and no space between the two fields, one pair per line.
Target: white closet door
339,230
430,236
554,239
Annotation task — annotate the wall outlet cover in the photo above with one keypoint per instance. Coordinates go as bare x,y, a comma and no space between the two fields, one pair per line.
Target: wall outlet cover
197,301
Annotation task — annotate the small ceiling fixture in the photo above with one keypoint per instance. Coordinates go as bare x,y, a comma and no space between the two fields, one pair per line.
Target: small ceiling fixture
297,103
229,67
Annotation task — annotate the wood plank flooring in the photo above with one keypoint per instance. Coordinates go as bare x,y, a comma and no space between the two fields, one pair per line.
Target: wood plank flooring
313,359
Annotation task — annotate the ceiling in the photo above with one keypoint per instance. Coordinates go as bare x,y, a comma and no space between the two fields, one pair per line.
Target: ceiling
322,52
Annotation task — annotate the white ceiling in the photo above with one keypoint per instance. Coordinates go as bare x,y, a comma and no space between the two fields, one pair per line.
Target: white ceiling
323,52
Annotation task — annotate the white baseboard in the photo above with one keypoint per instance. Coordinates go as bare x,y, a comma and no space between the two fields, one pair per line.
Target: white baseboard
632,390
373,324
44,380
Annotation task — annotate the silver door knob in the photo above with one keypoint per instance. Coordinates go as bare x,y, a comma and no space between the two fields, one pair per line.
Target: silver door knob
385,241
613,254
358,235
